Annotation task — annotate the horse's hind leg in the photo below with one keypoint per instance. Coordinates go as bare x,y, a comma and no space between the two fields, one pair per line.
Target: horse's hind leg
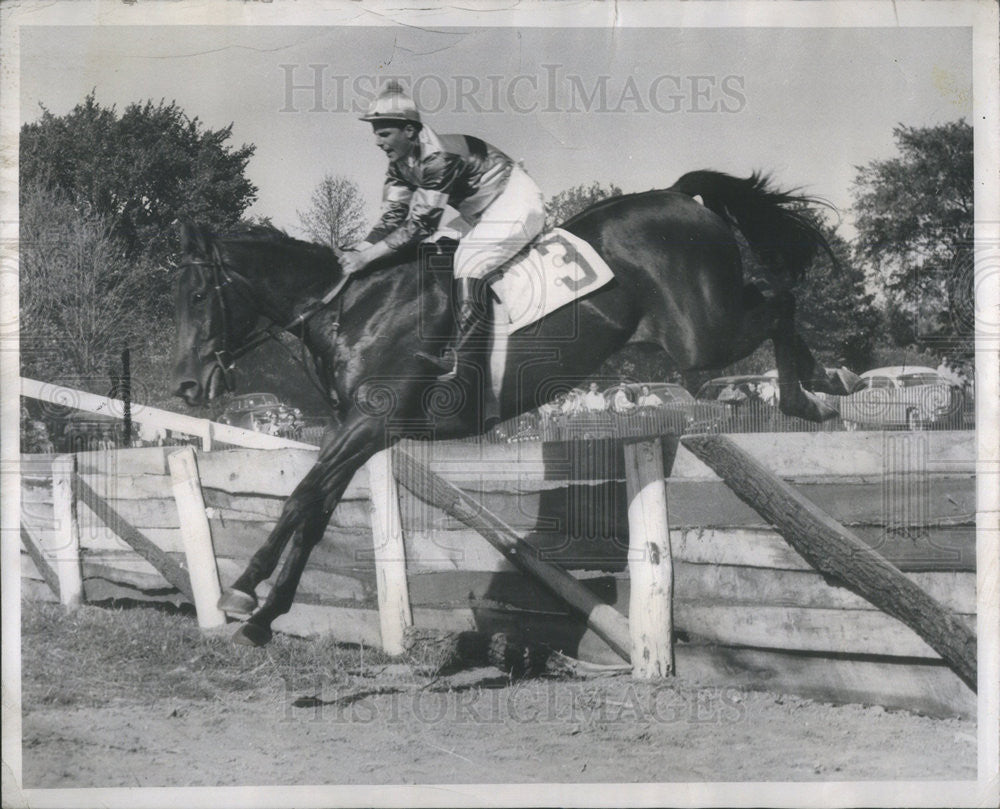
796,365
839,381
774,317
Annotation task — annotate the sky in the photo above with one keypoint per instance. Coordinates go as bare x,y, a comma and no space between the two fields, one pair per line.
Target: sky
807,105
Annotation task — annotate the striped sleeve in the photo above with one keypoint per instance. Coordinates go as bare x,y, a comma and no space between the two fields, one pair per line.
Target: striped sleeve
426,205
396,197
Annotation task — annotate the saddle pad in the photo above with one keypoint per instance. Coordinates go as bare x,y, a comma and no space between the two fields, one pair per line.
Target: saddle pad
558,269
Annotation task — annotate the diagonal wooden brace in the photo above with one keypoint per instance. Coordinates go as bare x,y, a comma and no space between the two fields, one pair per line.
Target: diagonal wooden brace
836,551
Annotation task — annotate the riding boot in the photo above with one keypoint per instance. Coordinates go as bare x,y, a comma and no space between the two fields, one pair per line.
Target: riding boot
471,302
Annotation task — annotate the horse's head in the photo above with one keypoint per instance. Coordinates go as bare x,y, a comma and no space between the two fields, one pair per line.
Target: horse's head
214,316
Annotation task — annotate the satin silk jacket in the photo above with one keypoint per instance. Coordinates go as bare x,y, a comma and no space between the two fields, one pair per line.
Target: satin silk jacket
458,170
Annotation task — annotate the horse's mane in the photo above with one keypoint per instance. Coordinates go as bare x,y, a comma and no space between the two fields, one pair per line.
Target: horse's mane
252,235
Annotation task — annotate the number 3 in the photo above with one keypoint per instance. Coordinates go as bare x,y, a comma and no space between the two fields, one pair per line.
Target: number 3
569,256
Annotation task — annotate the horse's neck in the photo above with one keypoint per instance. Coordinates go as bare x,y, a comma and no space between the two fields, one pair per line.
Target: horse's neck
286,294
393,301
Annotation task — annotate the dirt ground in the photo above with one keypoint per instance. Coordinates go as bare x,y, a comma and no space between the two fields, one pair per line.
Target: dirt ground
304,712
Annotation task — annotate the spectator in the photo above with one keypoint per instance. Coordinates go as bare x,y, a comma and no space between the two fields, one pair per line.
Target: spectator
767,392
731,395
573,403
647,399
621,403
39,440
106,440
272,427
149,435
593,399
550,410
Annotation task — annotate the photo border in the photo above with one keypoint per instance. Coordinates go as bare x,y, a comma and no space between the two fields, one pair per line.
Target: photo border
981,16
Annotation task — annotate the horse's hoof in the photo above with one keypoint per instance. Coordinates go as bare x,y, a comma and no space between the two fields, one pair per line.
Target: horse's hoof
252,635
848,380
236,602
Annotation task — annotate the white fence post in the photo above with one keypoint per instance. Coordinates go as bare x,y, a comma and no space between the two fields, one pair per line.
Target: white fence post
67,560
390,554
197,536
206,437
650,564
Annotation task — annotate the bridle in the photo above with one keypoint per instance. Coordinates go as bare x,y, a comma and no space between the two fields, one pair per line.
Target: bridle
222,277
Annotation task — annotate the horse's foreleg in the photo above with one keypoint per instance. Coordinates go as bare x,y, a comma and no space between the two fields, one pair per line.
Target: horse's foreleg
241,599
257,630
328,481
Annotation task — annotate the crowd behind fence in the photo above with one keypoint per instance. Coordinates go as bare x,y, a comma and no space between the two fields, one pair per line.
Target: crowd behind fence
748,416
547,423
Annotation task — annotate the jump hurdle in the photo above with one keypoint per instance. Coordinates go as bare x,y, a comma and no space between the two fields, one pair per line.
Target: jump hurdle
450,577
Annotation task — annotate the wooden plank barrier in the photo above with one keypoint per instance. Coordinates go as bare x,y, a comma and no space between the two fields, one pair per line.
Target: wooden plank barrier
37,556
748,609
197,536
605,620
833,550
208,431
171,570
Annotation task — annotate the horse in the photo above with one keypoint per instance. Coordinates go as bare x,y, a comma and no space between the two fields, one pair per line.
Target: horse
679,283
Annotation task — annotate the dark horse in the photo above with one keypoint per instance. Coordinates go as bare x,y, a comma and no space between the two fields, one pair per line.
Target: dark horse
679,284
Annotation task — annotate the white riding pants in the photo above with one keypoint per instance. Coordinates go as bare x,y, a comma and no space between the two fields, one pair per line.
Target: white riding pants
510,222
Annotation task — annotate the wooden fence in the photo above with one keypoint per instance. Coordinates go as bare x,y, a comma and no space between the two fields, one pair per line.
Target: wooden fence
747,608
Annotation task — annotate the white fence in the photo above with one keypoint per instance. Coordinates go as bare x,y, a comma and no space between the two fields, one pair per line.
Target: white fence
208,431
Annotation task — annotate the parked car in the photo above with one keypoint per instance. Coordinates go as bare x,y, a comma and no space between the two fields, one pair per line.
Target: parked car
699,417
748,403
735,390
262,413
903,396
83,431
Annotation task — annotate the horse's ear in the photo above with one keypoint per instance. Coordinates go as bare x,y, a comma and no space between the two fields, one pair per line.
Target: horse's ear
194,239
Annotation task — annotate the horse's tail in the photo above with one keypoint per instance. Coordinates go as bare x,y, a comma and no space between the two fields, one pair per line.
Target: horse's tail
776,223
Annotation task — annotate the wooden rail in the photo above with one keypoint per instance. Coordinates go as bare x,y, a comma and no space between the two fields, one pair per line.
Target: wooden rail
209,431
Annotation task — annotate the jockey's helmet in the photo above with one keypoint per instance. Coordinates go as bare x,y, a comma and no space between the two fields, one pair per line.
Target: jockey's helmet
392,104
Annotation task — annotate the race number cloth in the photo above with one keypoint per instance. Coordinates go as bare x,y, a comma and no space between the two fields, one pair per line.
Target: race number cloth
558,269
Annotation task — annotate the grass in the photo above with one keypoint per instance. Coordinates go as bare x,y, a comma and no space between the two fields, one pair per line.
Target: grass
97,656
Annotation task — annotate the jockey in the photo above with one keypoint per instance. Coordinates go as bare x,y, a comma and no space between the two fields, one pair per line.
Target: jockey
427,171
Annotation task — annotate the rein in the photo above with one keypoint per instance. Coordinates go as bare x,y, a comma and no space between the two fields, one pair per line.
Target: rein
226,358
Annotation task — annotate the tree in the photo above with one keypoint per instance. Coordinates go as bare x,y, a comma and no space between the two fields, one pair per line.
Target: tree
915,229
139,172
570,202
336,213
80,294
